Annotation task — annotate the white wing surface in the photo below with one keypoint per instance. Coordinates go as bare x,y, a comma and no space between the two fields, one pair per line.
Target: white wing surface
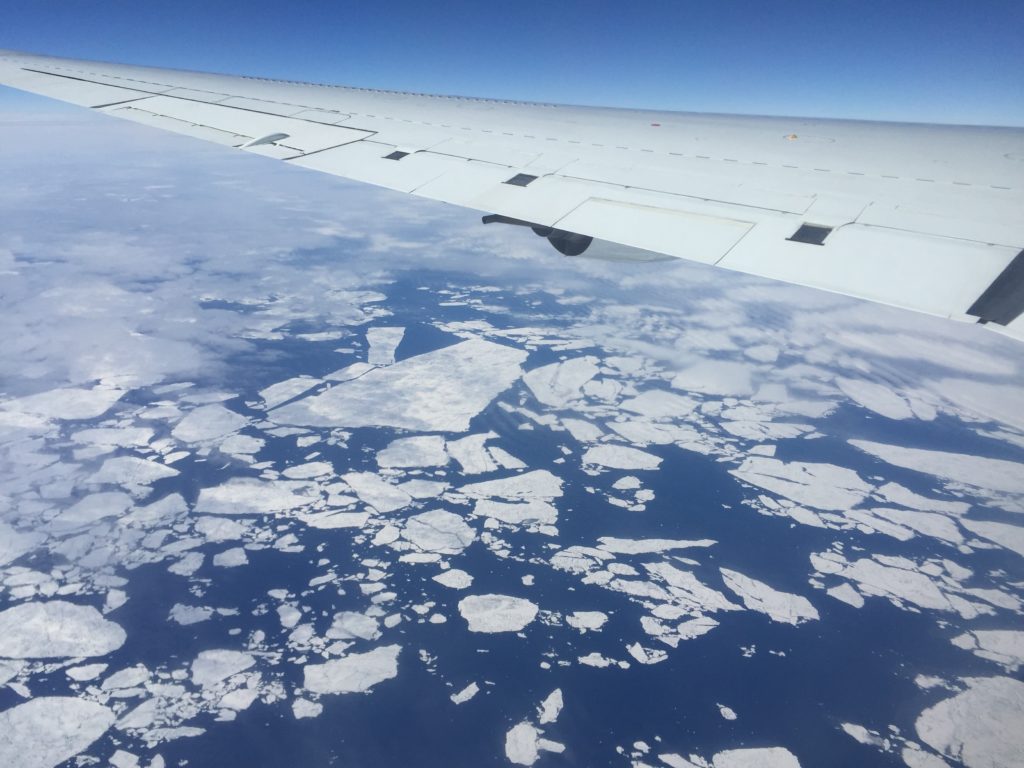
926,217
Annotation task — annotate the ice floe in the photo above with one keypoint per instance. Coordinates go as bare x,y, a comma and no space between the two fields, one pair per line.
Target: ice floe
558,384
210,667
981,726
377,492
467,693
587,621
251,496
42,630
46,731
438,531
763,757
66,404
822,486
383,341
523,744
875,397
1003,646
420,451
620,457
779,606
354,673
497,613
454,578
208,422
438,391
967,469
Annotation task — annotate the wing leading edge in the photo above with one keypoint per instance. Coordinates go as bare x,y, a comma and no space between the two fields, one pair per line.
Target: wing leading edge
918,216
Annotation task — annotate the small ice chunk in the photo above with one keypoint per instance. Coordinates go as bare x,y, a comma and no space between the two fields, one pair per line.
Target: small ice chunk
454,578
727,712
517,513
587,620
349,625
551,707
355,673
497,613
648,546
465,694
86,672
231,558
302,708
189,614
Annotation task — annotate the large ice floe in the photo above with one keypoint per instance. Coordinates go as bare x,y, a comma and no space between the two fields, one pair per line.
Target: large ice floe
56,628
497,613
46,731
981,727
354,673
437,391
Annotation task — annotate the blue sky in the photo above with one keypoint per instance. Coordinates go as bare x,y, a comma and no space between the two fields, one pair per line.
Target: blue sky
927,60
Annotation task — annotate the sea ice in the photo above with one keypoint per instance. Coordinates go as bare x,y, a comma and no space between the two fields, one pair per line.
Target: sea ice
419,451
765,757
286,390
53,629
465,694
46,731
558,384
454,578
875,397
517,513
68,404
383,341
648,546
496,613
209,422
969,469
586,621
822,486
252,496
981,726
550,708
620,457
438,531
231,558
539,484
14,544
354,673
779,606
1003,534
302,708
210,667
715,377
374,490
438,391
1003,646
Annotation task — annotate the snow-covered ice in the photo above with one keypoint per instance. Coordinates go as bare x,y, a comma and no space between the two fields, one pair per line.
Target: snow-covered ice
210,667
497,613
779,606
437,391
354,673
46,731
620,457
438,531
43,630
981,726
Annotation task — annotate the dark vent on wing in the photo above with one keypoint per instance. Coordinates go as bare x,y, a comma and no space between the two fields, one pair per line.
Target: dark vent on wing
396,155
521,180
811,234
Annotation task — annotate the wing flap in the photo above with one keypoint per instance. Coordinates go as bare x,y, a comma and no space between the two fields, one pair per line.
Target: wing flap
938,275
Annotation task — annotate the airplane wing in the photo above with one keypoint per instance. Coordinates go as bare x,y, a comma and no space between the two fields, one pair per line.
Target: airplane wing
926,217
